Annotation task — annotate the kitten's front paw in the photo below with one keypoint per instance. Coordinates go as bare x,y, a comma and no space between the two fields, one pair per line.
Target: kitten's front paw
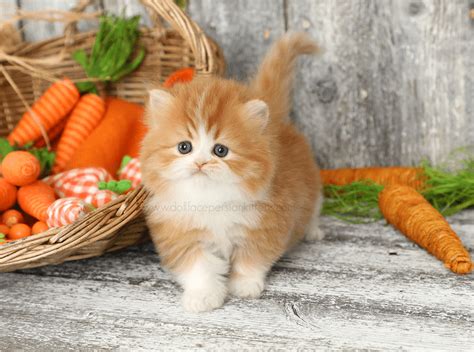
246,287
203,300
314,234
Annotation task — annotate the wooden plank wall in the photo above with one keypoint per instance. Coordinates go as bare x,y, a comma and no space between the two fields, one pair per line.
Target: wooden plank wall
392,86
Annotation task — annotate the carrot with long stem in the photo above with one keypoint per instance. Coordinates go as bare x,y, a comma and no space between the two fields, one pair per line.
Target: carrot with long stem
83,120
56,102
407,210
385,176
35,199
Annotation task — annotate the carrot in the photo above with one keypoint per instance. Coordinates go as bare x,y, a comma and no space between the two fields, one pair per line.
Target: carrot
385,176
83,120
413,215
180,76
112,138
12,217
49,109
39,227
19,231
53,133
34,199
20,168
7,194
4,229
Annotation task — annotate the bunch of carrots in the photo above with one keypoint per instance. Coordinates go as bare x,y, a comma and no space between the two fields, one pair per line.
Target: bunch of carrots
402,195
20,185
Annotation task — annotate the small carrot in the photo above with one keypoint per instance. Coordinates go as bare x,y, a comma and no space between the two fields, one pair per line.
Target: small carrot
113,137
414,216
4,229
56,102
19,231
39,227
180,76
7,194
12,217
385,176
35,199
53,133
83,120
20,168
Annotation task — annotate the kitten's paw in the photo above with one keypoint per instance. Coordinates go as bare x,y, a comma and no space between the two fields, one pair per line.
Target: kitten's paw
203,300
246,287
314,234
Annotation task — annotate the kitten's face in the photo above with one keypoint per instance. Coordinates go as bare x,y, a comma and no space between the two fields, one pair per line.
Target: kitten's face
207,132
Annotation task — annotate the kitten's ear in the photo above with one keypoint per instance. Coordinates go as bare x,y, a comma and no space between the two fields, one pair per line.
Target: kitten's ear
160,99
258,110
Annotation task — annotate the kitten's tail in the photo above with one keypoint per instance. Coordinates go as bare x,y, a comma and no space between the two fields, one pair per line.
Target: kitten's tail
274,80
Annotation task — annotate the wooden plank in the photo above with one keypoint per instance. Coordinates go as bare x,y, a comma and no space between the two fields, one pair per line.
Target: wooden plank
41,30
129,8
7,9
325,294
393,84
243,28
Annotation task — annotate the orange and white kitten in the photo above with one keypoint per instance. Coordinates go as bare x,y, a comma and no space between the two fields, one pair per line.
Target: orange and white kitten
233,184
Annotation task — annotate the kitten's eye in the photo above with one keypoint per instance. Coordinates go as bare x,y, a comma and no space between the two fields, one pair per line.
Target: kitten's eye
185,147
220,150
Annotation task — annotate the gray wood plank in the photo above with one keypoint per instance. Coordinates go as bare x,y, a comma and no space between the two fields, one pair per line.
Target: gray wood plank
344,292
41,30
243,28
393,84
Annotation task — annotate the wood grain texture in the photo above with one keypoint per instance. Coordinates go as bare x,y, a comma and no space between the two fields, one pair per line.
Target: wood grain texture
393,85
243,28
363,286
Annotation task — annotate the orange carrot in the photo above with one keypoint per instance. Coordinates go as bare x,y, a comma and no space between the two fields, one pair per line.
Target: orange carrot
39,227
385,176
180,76
7,194
20,168
112,138
19,231
4,229
35,199
56,102
83,120
407,210
12,217
53,133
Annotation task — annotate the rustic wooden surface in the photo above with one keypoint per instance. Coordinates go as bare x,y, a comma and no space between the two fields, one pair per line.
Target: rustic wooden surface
363,286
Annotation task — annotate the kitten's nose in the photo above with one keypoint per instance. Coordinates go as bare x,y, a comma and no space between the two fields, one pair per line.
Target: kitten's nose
200,164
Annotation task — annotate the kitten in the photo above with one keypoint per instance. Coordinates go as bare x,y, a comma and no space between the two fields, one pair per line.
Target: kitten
233,184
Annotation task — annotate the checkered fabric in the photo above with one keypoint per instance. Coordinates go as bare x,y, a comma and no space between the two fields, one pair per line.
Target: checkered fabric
80,183
65,211
103,197
132,172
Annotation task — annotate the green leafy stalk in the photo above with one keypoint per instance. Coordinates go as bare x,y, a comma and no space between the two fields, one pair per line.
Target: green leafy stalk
449,192
119,187
111,55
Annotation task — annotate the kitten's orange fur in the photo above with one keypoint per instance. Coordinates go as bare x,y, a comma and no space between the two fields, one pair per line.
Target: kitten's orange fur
224,226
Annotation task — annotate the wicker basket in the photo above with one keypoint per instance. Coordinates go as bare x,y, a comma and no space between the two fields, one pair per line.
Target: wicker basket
120,223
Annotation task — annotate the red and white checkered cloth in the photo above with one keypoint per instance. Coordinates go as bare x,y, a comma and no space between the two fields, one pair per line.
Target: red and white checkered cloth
65,211
103,197
80,183
132,172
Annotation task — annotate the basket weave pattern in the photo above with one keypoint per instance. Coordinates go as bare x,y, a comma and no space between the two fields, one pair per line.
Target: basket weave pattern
120,223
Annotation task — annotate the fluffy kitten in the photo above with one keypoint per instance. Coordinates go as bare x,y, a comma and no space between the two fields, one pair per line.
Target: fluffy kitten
233,184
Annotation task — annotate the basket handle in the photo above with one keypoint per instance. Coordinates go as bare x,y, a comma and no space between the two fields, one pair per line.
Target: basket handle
189,30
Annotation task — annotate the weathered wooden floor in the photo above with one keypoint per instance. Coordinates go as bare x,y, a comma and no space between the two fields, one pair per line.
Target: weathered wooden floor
364,286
